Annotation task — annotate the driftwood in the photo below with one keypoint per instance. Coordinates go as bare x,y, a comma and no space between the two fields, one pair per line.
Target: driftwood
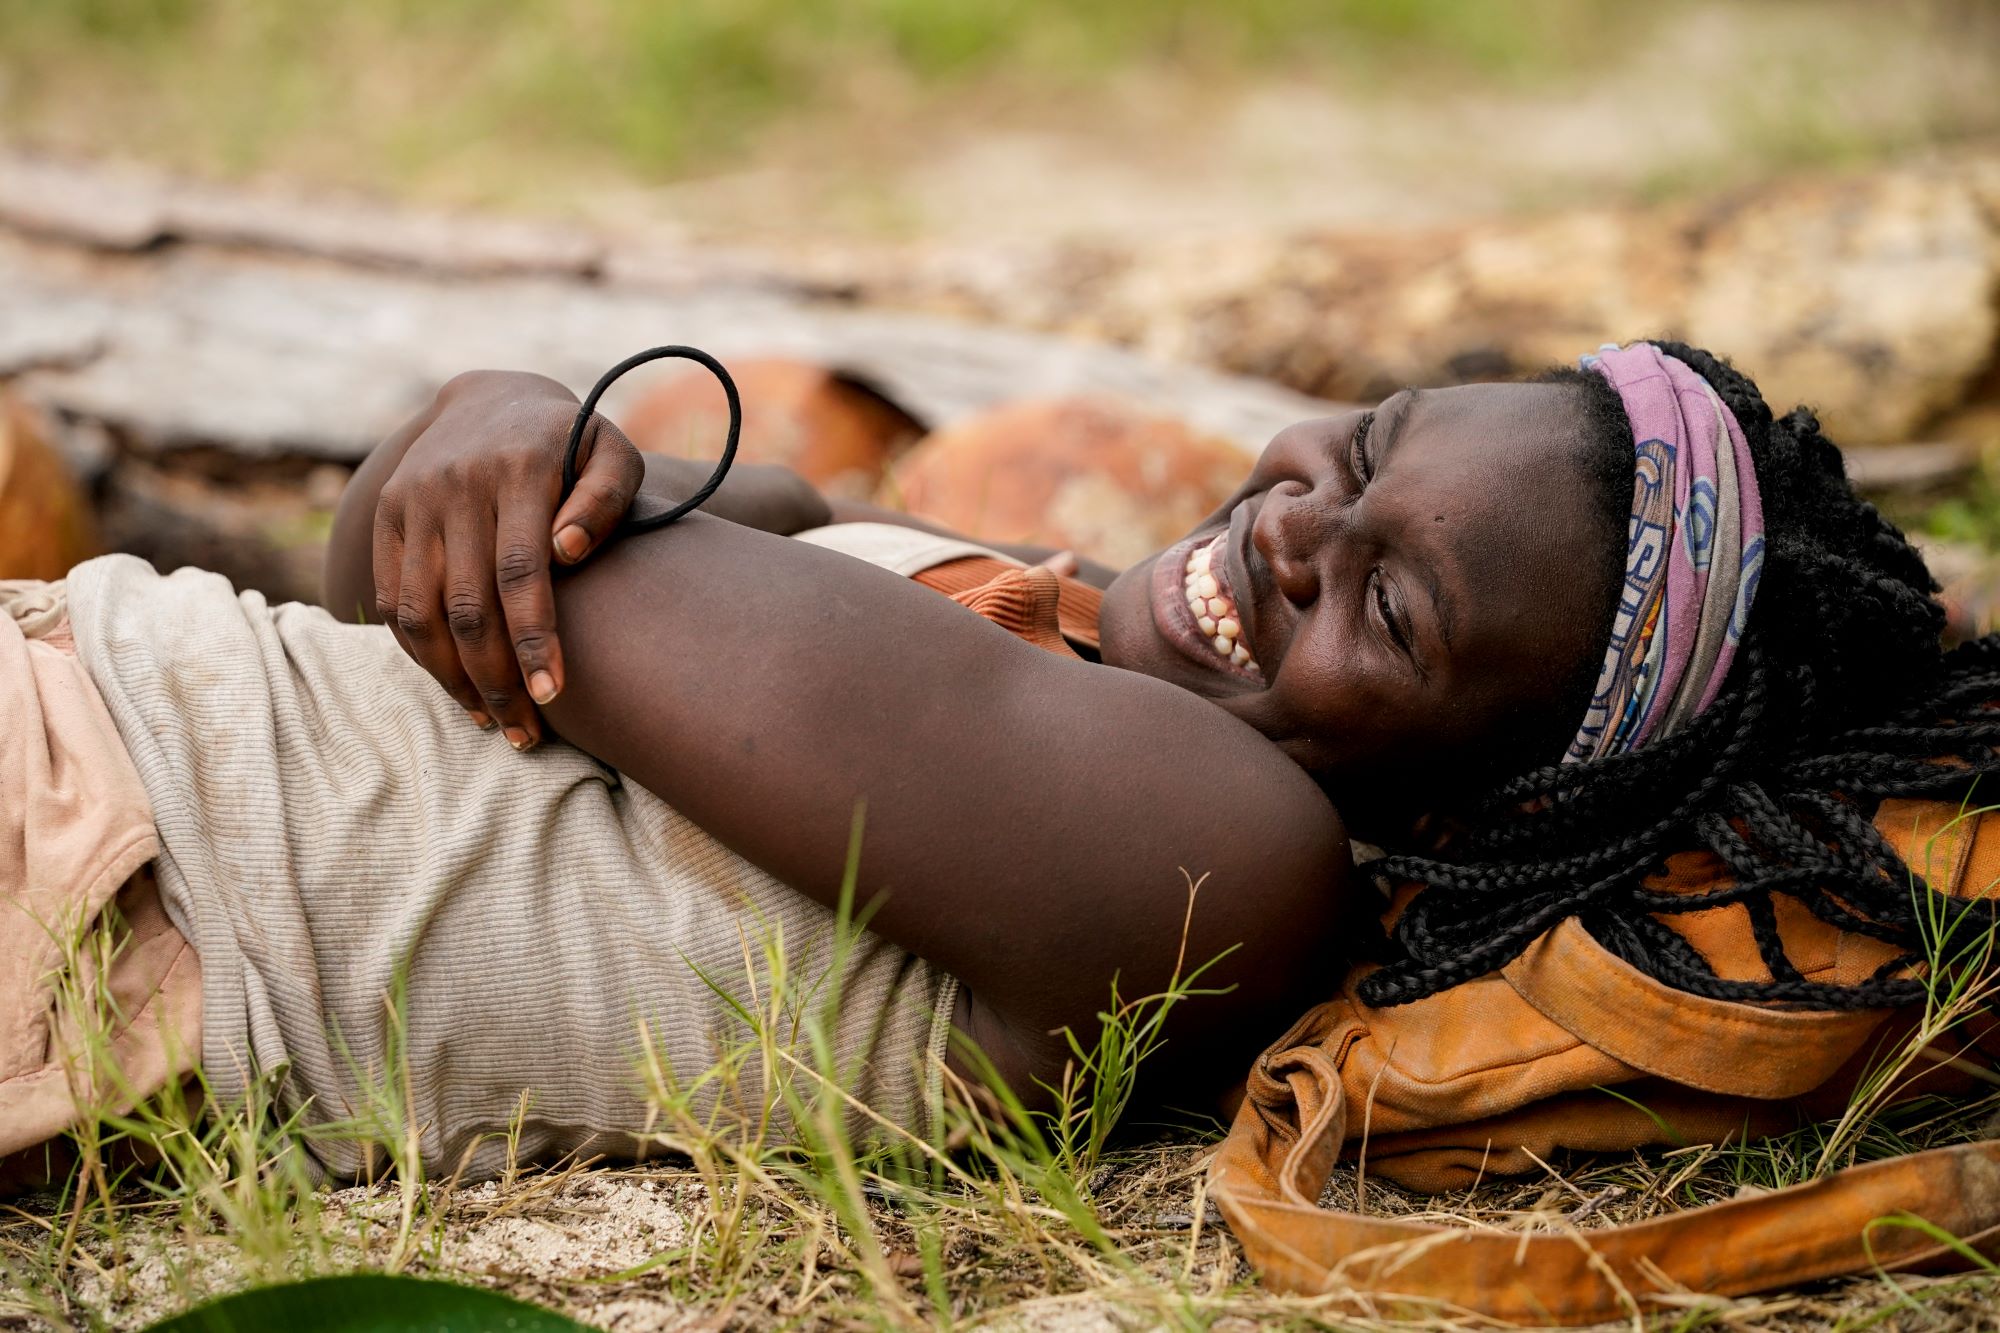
214,359
188,314
203,350
184,317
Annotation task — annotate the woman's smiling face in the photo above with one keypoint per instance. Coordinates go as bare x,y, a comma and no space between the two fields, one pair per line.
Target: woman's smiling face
1391,591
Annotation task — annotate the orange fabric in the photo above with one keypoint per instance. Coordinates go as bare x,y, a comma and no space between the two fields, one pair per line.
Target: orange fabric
1040,606
1474,1079
1269,1171
1571,1048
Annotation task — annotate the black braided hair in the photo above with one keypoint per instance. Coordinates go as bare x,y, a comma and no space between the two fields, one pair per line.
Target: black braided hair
1840,696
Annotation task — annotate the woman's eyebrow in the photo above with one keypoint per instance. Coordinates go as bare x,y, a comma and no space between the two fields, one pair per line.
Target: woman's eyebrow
1441,608
1390,421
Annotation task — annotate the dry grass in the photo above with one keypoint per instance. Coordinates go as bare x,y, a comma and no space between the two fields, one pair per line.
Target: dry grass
635,1249
794,1207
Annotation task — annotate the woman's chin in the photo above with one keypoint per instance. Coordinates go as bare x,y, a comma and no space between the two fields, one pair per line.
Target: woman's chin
1125,622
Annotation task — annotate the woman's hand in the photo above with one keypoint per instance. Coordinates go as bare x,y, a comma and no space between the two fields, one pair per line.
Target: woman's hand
466,528
448,531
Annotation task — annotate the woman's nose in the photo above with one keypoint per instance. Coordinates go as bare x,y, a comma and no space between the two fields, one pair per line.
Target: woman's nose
1291,528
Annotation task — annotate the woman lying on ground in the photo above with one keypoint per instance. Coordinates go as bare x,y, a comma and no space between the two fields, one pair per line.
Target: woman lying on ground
1393,627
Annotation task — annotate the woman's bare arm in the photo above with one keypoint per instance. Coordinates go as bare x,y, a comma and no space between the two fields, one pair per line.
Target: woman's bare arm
1031,821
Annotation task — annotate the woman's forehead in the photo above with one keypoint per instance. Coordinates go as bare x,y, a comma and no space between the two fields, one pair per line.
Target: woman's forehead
1485,484
1518,421
1500,460
1534,419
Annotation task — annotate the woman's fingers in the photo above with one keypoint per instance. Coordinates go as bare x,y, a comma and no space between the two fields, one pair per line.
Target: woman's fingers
527,593
406,600
416,615
477,627
606,483
463,533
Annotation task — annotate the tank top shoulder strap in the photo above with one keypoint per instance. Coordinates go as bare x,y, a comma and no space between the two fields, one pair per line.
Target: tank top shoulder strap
1034,604
905,551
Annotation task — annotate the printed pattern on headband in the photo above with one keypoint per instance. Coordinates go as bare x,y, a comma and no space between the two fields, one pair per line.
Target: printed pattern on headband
1695,549
1624,686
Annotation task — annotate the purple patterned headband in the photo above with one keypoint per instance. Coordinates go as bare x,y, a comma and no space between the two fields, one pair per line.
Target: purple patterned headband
1695,549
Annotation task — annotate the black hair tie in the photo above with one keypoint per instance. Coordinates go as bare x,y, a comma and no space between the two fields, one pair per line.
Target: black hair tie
611,376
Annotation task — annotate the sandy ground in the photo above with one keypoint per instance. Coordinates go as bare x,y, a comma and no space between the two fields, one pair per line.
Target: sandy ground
610,1248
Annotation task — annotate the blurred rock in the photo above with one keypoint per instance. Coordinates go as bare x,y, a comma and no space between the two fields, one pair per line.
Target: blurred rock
1977,426
1875,298
1094,475
830,428
45,524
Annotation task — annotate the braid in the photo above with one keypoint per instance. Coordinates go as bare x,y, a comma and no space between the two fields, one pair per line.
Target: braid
1841,697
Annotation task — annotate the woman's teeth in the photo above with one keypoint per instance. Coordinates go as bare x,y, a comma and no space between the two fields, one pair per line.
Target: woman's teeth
1214,613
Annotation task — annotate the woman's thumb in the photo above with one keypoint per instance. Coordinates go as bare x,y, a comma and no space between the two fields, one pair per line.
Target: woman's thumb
605,489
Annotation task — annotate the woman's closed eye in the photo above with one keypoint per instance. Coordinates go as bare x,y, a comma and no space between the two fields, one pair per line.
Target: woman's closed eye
1389,610
1357,451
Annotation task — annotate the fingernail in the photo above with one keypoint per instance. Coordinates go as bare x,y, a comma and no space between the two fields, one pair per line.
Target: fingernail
481,717
517,738
571,541
541,687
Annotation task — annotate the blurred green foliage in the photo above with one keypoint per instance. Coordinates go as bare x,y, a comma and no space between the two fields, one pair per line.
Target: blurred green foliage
661,84
1972,518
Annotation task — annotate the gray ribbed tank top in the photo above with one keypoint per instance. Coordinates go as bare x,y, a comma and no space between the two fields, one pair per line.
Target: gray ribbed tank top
330,820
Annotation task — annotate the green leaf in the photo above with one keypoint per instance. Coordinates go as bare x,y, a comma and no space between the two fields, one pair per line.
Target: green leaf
367,1303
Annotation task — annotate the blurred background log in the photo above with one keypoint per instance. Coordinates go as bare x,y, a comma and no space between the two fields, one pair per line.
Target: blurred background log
210,361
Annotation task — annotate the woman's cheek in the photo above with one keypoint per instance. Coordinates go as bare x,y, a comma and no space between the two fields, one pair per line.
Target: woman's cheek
1351,714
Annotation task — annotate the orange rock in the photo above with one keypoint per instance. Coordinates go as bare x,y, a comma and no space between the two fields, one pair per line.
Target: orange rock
830,428
45,524
1094,475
